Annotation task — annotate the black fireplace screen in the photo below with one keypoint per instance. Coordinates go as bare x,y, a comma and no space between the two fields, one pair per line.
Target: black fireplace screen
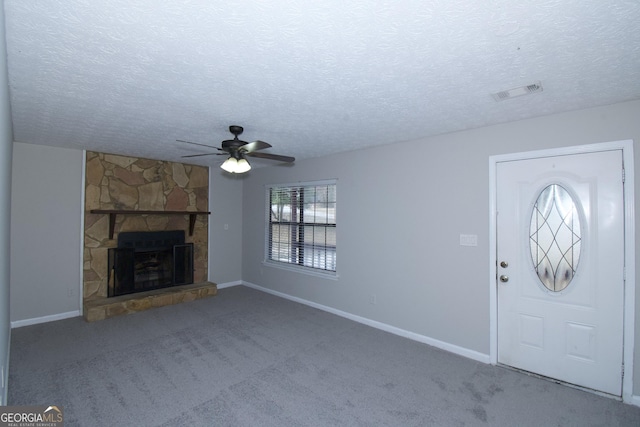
145,261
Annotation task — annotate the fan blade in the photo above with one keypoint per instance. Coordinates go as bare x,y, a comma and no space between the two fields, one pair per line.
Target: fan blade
272,157
255,146
202,145
205,154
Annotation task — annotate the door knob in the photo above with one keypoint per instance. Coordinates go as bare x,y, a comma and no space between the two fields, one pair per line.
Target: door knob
504,278
504,264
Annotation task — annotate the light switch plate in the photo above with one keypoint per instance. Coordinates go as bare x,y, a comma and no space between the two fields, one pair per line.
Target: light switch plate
468,240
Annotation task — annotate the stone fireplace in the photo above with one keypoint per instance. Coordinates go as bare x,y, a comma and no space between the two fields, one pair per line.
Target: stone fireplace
126,195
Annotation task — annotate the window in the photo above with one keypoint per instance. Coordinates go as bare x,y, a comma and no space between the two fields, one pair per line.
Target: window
301,226
555,237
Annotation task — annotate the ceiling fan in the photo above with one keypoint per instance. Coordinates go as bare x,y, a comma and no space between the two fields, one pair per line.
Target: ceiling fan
237,151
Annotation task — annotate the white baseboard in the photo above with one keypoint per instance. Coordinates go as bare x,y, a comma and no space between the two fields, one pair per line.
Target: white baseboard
461,351
5,374
229,284
44,319
76,313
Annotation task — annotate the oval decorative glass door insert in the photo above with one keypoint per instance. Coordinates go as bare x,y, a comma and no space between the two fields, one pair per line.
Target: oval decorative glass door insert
555,237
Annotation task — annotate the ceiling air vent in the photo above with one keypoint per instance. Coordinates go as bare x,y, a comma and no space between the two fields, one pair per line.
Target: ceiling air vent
518,91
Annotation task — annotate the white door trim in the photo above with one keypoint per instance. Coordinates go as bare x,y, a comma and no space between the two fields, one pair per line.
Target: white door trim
629,247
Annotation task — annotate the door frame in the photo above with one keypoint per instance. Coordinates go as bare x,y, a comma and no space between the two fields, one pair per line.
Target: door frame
629,248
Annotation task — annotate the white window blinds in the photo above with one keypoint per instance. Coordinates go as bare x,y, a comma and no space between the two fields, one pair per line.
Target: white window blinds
301,226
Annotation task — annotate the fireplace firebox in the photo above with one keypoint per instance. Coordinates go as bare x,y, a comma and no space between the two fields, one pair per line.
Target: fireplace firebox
147,260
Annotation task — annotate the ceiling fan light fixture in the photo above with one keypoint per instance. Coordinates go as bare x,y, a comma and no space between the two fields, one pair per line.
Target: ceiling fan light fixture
233,165
230,165
243,166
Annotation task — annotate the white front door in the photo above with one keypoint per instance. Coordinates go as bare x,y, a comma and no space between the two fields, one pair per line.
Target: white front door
560,255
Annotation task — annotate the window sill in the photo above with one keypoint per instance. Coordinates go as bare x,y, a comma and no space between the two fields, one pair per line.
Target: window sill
331,275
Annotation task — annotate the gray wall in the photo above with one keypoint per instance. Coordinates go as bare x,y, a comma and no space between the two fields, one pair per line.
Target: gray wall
46,230
225,228
6,147
399,223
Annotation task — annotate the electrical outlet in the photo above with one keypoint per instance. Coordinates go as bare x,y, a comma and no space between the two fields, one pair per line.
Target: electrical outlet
70,292
373,299
226,226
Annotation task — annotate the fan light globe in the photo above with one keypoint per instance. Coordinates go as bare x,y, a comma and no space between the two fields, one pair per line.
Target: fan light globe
230,165
243,166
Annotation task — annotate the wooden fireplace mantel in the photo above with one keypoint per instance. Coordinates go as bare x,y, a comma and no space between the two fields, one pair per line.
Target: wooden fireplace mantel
114,212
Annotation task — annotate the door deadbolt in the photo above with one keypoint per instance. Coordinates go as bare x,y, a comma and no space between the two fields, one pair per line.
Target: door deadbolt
504,264
504,278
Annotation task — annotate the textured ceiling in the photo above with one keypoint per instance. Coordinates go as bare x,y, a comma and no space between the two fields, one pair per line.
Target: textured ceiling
311,78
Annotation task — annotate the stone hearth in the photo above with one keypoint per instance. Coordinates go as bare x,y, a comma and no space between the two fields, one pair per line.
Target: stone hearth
103,308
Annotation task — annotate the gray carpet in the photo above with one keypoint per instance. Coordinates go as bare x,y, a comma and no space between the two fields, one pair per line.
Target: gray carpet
247,358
